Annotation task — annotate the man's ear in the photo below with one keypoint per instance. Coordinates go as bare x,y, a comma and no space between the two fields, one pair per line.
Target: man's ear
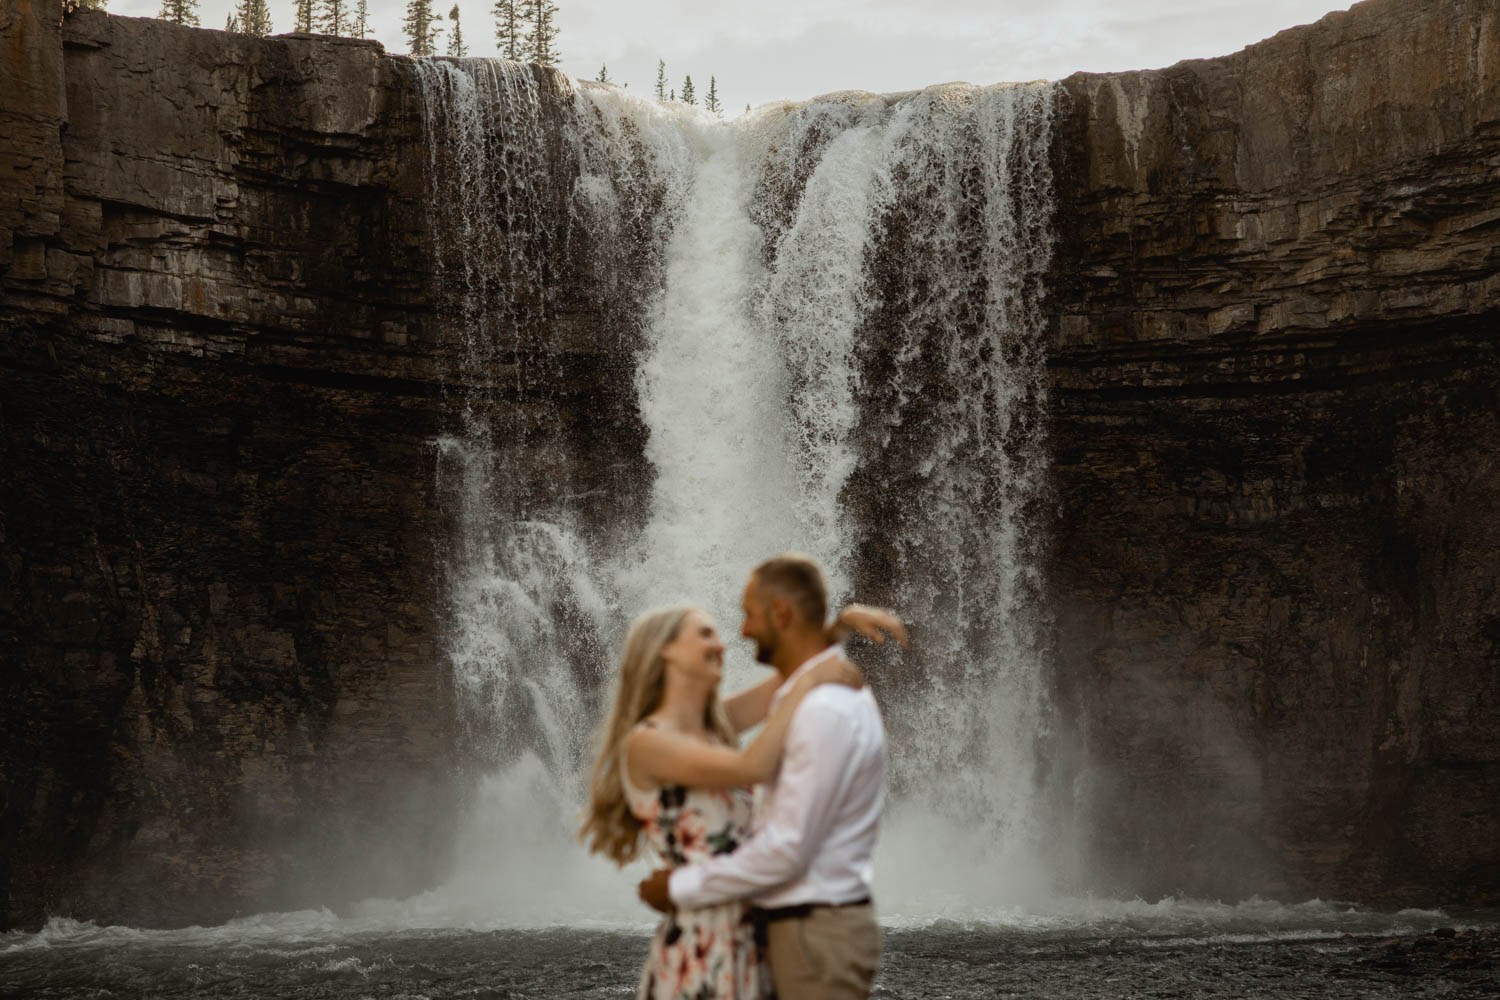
781,611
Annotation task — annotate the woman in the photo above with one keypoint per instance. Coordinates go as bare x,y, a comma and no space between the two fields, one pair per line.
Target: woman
669,767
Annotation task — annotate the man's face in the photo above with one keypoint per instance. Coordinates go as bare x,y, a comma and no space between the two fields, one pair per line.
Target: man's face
759,627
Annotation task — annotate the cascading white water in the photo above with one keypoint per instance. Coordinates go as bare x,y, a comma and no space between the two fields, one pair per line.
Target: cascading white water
531,617
909,242
710,386
813,302
840,314
969,188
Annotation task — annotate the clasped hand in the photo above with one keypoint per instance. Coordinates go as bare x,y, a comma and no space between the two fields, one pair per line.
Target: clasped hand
654,892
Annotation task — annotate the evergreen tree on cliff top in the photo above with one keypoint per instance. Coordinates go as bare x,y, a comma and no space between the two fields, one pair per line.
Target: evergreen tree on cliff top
251,17
361,26
711,103
688,96
510,35
661,80
420,28
180,11
456,46
541,16
333,17
305,15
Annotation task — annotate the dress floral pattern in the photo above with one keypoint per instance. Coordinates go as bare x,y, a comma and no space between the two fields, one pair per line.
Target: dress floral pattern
712,953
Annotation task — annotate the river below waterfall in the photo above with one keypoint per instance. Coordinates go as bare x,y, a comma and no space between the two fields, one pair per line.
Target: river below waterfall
1081,949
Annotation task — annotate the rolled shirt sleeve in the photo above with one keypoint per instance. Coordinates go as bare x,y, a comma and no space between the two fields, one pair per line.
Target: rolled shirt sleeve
798,817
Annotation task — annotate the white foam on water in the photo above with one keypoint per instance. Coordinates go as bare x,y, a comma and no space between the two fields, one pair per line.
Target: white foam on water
519,866
1174,920
1165,923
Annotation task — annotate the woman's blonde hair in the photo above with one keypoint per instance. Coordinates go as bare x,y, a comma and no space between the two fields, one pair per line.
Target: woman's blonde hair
609,828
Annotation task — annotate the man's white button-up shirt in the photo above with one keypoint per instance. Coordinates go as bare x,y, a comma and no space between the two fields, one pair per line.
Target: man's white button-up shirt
816,831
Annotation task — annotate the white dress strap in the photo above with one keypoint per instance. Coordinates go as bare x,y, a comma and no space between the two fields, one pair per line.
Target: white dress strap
632,793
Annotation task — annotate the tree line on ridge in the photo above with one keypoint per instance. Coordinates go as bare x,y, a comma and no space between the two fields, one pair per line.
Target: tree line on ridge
525,31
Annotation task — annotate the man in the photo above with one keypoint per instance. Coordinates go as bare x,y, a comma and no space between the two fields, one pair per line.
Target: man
807,866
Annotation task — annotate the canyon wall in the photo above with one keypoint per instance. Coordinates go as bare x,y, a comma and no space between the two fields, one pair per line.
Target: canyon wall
220,524
218,571
1273,415
1276,408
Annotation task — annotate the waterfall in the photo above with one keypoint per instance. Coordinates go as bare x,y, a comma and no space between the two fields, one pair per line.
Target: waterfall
953,470
710,387
832,319
530,177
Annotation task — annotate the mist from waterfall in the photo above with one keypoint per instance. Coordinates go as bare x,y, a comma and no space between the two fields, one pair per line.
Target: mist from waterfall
838,326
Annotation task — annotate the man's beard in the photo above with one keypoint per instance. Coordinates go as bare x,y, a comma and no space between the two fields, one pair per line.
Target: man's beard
767,644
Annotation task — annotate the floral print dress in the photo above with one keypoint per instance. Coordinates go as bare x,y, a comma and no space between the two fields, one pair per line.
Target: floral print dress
710,953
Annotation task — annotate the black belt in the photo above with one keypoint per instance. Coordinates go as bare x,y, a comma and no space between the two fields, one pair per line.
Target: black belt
800,910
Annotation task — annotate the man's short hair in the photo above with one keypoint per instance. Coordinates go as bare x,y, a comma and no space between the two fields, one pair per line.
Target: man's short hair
798,579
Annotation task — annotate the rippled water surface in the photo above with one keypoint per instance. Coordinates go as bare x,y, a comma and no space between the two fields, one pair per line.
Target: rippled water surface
1080,949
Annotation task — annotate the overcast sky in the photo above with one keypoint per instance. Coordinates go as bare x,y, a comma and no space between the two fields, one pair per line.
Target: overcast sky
795,49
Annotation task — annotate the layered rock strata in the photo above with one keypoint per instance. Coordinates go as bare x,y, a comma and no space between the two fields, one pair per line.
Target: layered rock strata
220,528
1274,402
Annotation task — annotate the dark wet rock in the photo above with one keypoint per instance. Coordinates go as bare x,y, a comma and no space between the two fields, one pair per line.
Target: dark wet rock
1275,388
220,690
222,684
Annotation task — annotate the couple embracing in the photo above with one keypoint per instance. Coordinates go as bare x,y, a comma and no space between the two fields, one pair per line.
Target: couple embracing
780,898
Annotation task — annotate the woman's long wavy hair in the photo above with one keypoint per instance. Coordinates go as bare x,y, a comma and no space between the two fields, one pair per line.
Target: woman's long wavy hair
609,828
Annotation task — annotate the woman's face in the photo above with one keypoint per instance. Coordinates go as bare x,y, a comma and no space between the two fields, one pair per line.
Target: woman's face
697,652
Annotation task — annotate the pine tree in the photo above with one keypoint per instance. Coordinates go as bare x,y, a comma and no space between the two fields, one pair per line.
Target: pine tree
673,95
421,31
251,17
711,103
661,79
180,12
747,109
541,17
231,25
361,27
510,36
333,17
304,15
603,76
687,91
456,46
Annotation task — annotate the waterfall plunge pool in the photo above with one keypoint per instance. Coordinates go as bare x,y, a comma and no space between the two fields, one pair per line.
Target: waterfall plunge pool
1079,948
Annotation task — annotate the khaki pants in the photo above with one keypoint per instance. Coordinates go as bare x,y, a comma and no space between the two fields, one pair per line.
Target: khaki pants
832,952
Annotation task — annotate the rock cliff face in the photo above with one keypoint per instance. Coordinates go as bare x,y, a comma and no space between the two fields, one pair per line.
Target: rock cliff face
1275,414
220,585
218,565
1274,382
